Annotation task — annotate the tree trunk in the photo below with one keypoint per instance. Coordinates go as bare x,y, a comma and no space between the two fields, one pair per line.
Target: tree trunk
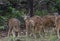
30,6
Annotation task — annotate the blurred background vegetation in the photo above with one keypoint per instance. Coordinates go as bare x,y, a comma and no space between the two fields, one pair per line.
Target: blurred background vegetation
17,8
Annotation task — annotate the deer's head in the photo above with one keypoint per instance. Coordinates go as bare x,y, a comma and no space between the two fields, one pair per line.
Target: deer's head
26,17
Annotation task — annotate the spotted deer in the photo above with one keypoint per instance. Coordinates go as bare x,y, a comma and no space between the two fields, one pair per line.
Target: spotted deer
48,22
35,22
52,20
14,27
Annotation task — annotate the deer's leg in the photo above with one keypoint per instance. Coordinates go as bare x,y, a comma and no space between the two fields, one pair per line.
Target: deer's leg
40,29
34,31
58,33
27,30
13,33
19,33
37,30
9,32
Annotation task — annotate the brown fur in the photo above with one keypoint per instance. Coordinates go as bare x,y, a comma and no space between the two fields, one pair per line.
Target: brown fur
36,24
14,26
48,22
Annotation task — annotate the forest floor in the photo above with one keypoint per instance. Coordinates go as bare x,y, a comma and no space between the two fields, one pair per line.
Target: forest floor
51,37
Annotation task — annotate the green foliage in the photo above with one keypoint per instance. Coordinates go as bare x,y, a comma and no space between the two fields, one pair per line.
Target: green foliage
2,27
52,38
11,38
2,20
14,13
41,13
38,12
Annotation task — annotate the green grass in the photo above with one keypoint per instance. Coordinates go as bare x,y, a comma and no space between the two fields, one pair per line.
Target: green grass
50,37
53,38
24,38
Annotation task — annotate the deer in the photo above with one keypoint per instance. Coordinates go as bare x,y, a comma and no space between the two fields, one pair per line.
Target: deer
36,23
52,20
14,27
48,22
56,23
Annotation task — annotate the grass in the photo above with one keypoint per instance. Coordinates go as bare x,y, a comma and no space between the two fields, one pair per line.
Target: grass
49,38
